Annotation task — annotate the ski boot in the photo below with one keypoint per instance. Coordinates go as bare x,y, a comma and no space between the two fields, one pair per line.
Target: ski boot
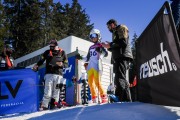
42,108
104,99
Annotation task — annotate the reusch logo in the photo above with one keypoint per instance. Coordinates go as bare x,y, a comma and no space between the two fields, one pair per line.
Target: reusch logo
10,88
158,65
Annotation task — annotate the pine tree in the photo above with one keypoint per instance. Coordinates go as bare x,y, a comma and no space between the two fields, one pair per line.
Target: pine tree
24,18
59,24
30,24
47,15
133,42
132,71
79,23
10,18
3,28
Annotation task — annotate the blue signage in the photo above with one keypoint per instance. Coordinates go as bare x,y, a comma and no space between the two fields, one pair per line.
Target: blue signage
18,91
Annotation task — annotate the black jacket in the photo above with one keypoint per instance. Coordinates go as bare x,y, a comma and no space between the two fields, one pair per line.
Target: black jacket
120,46
51,66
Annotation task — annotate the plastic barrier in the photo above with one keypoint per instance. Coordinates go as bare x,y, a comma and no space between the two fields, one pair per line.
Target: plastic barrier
18,91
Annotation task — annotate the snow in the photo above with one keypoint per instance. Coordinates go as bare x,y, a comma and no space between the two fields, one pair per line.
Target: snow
114,111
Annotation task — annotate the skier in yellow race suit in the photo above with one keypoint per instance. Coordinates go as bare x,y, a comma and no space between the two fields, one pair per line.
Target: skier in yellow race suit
94,69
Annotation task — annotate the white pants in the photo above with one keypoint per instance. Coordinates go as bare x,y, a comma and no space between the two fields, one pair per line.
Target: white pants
50,91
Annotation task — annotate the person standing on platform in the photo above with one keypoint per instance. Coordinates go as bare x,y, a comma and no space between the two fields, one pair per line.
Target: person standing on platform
56,60
121,57
94,69
6,59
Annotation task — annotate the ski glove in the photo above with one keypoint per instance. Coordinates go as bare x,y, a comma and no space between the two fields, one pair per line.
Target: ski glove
99,50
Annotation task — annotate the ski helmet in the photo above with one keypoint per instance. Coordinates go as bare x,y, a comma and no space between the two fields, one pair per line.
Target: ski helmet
53,42
9,46
97,32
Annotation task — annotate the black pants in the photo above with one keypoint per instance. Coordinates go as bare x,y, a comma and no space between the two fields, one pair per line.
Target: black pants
122,85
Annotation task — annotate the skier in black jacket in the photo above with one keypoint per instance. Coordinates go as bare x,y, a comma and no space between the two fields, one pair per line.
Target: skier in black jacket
56,60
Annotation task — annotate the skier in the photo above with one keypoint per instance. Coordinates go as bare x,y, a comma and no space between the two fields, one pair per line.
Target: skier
94,69
56,60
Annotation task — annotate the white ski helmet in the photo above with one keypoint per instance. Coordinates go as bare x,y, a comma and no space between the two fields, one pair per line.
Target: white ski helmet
96,31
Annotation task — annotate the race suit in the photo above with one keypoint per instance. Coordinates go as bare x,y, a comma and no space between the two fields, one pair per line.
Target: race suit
94,69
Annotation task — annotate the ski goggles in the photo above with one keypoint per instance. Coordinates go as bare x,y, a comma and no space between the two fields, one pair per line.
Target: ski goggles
52,47
9,46
93,36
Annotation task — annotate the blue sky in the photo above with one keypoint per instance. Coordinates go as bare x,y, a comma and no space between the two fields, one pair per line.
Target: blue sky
135,14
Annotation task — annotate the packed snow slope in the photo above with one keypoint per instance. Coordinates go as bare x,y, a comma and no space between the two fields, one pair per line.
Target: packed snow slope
115,111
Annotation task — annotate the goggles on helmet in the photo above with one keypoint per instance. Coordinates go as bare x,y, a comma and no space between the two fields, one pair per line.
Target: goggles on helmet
93,36
9,46
52,47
